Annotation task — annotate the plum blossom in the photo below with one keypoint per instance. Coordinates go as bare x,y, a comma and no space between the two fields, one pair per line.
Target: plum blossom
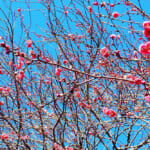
29,43
104,52
109,112
115,14
113,36
146,26
147,98
4,136
145,48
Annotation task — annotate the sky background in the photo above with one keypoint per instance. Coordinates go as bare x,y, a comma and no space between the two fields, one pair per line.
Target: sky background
32,14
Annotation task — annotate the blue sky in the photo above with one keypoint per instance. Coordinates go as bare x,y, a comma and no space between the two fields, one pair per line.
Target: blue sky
32,15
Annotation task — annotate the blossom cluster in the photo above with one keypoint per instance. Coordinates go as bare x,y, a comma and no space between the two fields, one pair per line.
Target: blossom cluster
109,112
145,48
147,98
146,26
104,52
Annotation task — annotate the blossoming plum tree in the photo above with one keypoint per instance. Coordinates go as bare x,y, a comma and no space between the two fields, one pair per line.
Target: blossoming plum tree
74,75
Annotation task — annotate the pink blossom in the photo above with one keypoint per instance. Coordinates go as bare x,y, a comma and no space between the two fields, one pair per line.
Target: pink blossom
147,98
55,145
2,44
112,113
148,46
88,106
69,148
135,53
115,14
29,43
25,137
66,12
109,112
57,73
146,33
112,36
105,111
81,104
136,109
130,77
58,70
20,76
1,103
90,9
138,81
71,36
1,88
95,3
65,61
146,24
19,9
7,89
103,4
104,52
32,53
78,94
4,136
145,48
1,72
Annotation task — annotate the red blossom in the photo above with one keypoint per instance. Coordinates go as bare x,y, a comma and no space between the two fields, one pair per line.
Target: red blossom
146,25
147,98
90,9
19,9
4,136
1,103
95,3
109,112
78,94
104,52
29,43
115,14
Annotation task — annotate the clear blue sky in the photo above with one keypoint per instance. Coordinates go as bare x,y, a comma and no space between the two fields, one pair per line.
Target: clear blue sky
33,18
